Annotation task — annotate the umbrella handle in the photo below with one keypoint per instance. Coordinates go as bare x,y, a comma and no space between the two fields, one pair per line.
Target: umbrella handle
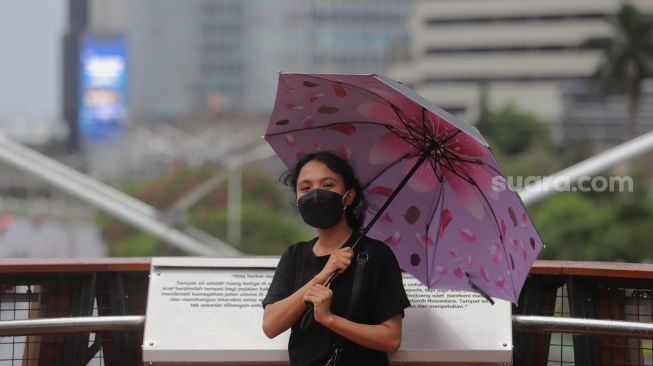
307,318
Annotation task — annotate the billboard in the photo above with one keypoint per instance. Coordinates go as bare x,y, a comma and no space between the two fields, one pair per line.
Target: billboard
103,85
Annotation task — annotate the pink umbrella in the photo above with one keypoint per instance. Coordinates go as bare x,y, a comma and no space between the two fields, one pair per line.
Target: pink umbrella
439,198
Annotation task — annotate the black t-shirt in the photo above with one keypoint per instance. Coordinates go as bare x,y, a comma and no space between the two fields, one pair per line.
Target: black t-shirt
382,296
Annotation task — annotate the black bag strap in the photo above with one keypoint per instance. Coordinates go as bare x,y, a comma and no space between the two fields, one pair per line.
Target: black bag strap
361,259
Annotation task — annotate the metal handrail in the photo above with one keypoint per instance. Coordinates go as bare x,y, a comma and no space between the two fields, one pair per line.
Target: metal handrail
117,204
521,323
551,324
594,165
128,323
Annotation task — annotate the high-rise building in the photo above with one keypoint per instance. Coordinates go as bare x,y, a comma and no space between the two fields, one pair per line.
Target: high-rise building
338,36
599,119
185,54
521,50
198,57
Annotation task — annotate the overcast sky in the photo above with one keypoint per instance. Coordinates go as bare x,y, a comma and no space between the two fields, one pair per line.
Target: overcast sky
30,44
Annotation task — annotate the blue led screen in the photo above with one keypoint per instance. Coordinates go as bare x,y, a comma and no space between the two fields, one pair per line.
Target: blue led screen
103,85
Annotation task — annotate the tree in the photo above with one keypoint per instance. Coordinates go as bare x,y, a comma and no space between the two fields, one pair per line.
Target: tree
265,231
569,224
268,225
580,226
627,60
513,131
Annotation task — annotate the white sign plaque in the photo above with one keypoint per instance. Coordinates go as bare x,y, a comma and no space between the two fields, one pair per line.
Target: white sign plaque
209,310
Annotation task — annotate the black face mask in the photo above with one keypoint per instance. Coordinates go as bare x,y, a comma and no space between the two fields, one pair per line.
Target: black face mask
321,208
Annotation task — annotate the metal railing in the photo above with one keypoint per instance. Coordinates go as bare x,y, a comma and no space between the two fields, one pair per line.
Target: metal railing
105,198
520,323
92,324
551,324
581,313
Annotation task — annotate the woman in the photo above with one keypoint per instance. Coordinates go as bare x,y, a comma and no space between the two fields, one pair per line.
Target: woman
330,198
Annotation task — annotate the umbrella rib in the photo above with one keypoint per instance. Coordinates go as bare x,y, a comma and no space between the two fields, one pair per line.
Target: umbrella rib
440,178
478,190
440,197
424,135
439,204
414,134
451,155
443,142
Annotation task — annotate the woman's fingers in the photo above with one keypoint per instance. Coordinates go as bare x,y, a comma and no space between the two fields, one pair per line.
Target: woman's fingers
320,296
318,290
340,259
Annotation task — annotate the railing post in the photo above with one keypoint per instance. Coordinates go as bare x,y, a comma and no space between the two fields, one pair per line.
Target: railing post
581,305
55,302
609,304
113,297
538,297
76,351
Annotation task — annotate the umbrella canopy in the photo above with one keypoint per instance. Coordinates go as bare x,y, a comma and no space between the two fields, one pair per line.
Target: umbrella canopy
456,224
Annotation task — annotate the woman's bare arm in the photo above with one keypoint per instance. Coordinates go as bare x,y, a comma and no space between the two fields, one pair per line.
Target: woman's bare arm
385,337
279,316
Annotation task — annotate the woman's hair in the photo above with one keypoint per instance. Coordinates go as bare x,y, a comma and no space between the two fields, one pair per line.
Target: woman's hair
355,212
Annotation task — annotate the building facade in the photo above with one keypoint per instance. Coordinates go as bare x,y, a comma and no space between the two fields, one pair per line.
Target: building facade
599,120
521,50
203,57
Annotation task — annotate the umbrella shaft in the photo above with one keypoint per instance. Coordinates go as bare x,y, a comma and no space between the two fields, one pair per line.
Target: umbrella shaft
394,194
333,275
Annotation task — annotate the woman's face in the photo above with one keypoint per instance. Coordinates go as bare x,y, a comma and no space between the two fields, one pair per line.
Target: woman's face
316,174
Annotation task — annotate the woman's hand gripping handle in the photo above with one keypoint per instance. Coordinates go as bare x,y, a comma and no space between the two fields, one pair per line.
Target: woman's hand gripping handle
338,262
